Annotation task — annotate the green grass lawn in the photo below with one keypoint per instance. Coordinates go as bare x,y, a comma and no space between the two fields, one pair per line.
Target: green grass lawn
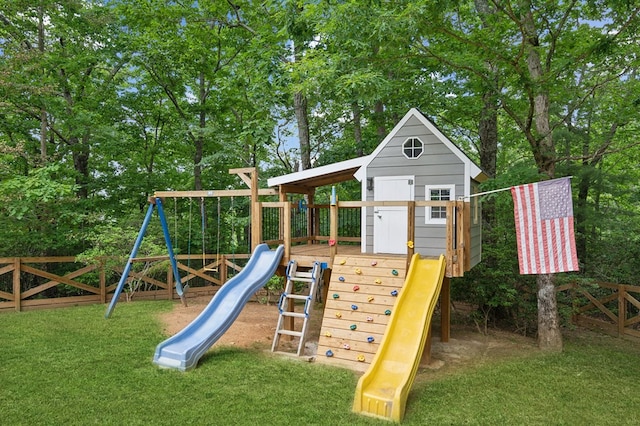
71,366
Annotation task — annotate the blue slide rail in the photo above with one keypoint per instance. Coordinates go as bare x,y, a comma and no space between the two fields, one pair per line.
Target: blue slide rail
183,350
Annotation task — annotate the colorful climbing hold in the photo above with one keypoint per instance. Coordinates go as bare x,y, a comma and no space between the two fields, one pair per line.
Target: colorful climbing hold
370,339
328,334
410,244
353,326
387,312
346,346
341,279
394,272
370,298
354,307
332,242
336,296
338,315
356,287
361,358
358,271
343,261
378,281
369,319
394,293
329,353
374,263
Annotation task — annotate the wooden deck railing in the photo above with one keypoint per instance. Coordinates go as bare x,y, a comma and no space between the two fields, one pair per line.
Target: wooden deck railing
331,230
37,282
613,308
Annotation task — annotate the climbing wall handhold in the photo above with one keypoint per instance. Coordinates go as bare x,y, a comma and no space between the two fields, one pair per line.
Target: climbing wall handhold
353,326
387,312
360,358
343,261
354,307
327,333
358,271
356,287
370,299
370,339
338,315
410,244
394,272
332,242
341,279
394,293
329,353
346,346
378,281
336,296
374,263
369,319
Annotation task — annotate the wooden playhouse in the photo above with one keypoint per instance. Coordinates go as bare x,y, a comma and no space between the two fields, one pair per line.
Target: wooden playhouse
416,192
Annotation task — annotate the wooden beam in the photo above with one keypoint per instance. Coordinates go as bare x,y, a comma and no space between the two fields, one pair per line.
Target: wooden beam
213,193
17,296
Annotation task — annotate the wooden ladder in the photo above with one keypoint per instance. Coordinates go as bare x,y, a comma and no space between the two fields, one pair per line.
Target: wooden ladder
310,280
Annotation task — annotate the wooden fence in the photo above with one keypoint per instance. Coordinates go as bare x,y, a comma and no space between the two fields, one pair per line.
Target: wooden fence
46,282
612,308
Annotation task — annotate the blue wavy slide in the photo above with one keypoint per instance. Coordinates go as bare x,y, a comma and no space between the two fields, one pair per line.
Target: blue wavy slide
183,350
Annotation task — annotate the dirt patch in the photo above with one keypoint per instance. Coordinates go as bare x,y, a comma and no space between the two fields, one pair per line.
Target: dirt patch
256,325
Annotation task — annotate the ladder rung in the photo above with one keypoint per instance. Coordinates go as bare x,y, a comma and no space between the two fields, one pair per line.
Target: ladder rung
292,314
301,279
297,296
290,333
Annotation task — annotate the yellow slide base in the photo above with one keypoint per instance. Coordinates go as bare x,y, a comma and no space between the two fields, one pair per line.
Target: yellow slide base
382,391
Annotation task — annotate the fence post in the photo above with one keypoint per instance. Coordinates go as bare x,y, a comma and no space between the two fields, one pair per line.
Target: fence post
17,294
622,309
222,267
103,280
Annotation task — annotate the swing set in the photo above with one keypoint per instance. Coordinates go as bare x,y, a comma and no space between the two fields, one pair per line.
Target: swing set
247,175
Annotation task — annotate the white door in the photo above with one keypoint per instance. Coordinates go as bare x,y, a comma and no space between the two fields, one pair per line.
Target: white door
390,222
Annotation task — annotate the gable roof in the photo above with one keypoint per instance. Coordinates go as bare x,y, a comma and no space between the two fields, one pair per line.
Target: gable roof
472,169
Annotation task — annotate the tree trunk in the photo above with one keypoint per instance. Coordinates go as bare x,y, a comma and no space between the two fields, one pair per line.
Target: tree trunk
302,117
357,128
542,144
378,113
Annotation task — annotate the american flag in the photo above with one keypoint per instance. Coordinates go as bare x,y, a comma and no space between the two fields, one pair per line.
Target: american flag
544,227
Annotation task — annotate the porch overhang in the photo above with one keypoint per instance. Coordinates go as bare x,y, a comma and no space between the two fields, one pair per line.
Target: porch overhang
306,180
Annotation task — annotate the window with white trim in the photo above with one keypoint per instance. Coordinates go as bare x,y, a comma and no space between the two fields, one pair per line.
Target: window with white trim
412,148
438,214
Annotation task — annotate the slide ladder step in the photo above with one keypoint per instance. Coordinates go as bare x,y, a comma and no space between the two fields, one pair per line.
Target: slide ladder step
286,305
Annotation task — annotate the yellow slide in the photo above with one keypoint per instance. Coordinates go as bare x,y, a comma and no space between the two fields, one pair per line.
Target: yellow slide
382,391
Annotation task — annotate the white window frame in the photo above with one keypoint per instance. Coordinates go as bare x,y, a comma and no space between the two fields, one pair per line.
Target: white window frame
421,144
427,195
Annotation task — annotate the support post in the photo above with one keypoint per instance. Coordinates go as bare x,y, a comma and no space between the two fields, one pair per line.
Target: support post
172,257
411,231
127,268
333,224
445,310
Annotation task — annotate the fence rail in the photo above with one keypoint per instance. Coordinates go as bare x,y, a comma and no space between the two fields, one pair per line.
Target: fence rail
612,308
45,282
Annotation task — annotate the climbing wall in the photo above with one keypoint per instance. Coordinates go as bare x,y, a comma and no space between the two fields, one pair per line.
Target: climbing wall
360,299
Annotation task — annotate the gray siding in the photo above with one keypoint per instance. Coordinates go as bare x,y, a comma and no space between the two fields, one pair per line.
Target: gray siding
436,166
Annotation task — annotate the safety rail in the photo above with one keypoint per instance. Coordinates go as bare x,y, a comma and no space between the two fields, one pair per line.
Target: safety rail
58,281
457,229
